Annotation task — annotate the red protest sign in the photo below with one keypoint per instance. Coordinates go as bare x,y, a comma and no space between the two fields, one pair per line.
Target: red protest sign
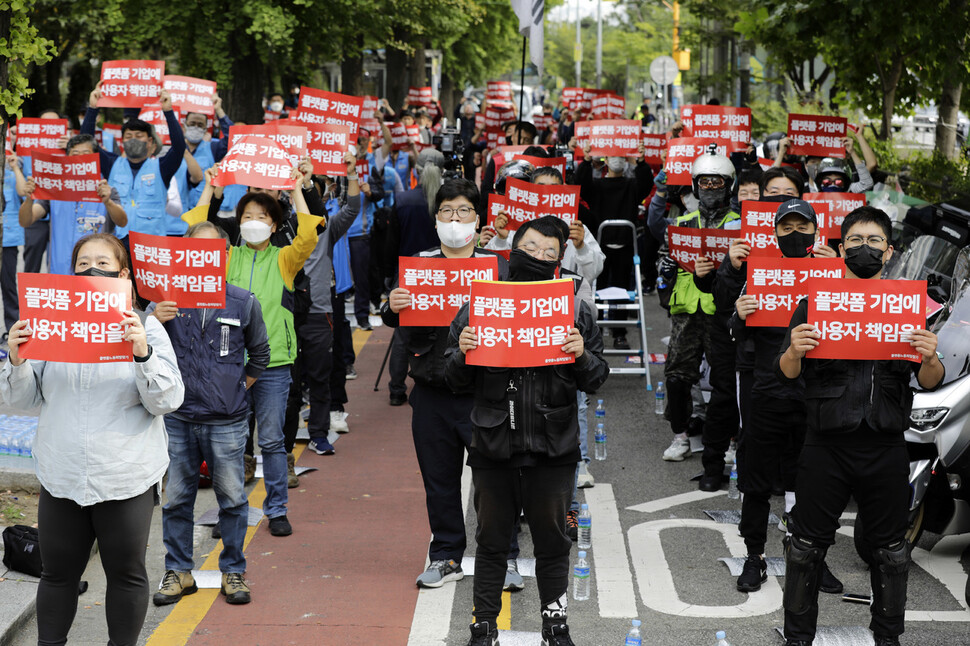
520,325
256,161
440,286
615,138
130,84
571,97
420,96
269,116
525,202
496,204
329,144
42,135
866,319
758,226
189,271
839,205
684,245
190,94
653,147
66,178
780,283
498,113
318,106
399,137
153,114
607,105
293,137
559,163
543,121
716,242
681,154
816,135
75,319
718,122
479,121
498,91
581,133
369,107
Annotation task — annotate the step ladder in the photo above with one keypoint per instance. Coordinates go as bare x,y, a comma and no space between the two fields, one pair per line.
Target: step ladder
634,303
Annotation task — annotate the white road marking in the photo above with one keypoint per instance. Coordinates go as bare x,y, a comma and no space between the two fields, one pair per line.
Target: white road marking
611,567
673,501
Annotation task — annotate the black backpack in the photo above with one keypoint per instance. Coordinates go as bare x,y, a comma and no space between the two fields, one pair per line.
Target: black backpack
21,549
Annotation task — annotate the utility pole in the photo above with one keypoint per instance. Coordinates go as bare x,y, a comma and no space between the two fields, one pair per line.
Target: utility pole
599,43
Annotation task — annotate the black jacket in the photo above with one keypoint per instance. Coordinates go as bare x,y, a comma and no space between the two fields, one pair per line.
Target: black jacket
543,426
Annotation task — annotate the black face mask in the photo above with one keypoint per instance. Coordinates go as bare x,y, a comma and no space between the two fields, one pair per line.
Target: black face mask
711,199
525,268
863,261
776,198
94,271
796,244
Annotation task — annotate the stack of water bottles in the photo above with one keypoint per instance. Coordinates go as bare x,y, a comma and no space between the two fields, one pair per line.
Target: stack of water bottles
17,435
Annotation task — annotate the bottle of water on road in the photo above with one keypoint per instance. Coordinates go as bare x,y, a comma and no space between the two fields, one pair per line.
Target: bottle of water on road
733,492
721,638
599,451
585,540
581,578
660,396
633,637
600,412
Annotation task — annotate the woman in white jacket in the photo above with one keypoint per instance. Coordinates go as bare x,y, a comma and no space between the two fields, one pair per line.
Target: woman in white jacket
100,455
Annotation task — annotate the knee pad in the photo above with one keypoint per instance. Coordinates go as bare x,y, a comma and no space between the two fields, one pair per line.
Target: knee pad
889,575
803,567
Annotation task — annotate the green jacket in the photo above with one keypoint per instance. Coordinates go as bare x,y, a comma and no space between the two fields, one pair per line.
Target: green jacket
686,295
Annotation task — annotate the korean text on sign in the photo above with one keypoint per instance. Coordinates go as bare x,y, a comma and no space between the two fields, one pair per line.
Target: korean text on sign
816,135
780,283
294,137
152,113
839,206
318,106
189,271
758,227
190,94
653,147
256,161
681,154
130,84
520,325
615,138
40,135
440,286
329,144
866,319
75,319
68,178
718,122
527,201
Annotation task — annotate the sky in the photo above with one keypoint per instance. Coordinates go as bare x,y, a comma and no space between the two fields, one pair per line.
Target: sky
567,11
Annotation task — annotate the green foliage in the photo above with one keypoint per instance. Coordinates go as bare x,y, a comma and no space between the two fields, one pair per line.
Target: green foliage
887,154
19,49
951,176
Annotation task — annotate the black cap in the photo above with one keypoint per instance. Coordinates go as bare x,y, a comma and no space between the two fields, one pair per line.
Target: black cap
800,207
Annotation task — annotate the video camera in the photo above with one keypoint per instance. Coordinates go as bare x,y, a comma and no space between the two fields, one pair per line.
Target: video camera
449,143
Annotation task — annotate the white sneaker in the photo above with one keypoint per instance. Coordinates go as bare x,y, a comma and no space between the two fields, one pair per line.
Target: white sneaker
338,422
678,450
731,455
585,480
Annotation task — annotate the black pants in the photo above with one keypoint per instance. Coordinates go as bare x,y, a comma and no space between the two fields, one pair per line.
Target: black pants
8,286
774,439
360,268
314,359
375,273
397,366
617,272
342,354
877,476
690,341
649,252
722,421
745,380
67,532
36,237
544,494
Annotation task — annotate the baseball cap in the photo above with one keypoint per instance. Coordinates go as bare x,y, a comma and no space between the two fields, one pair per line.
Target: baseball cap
800,207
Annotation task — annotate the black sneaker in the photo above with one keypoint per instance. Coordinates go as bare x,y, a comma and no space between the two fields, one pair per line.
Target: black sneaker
830,584
620,343
556,635
398,399
483,634
710,482
351,372
886,640
280,526
796,642
216,533
755,573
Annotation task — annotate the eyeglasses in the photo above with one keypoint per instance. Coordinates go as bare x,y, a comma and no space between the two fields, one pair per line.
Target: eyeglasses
464,212
872,241
832,181
532,248
711,182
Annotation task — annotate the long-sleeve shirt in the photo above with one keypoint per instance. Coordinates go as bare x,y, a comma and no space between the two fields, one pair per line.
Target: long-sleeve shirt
168,163
319,267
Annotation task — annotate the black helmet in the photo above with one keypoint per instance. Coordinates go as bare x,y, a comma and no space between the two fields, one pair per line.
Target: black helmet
517,168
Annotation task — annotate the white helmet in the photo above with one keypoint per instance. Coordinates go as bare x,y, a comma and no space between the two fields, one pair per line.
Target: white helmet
712,164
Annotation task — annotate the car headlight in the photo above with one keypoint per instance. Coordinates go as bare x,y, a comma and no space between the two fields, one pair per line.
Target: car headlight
927,419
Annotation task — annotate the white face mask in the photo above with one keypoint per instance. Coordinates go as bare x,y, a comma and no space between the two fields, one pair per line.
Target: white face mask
255,232
276,106
455,234
616,164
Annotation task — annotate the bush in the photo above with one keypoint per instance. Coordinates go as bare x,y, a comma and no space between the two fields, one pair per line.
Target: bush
935,178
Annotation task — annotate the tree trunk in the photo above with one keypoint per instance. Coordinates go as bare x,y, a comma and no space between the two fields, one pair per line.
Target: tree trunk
449,97
946,124
4,117
352,70
417,70
245,95
396,70
889,85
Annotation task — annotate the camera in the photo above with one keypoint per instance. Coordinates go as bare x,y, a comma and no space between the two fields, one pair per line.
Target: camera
449,143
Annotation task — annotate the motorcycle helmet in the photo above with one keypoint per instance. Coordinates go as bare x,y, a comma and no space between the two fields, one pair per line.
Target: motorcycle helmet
832,171
711,164
517,168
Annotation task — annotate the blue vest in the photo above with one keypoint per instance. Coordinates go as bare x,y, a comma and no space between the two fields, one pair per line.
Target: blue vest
143,197
71,221
231,196
13,233
389,185
402,166
190,197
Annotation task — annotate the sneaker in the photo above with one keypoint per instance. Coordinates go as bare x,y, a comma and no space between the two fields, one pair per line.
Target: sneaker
216,532
513,580
249,468
365,326
620,343
174,586
886,640
707,482
280,526
292,480
398,399
783,523
755,573
439,573
351,372
375,310
585,480
321,446
831,585
483,635
556,635
796,642
338,421
235,588
572,525
678,450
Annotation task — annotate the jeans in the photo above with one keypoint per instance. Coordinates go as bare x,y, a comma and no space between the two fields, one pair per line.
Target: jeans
269,395
397,366
221,446
583,446
360,268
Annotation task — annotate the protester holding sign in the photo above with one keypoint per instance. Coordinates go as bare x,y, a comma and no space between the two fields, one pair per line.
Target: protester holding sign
857,411
532,471
100,455
204,151
140,179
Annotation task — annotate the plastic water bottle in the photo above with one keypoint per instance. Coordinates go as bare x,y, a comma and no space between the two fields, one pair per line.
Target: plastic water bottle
633,637
600,412
660,396
600,442
581,578
733,492
585,539
721,638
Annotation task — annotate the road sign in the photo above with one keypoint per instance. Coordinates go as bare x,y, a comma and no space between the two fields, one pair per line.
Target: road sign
663,70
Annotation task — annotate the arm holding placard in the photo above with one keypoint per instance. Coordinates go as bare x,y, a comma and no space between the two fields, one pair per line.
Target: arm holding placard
589,256
590,369
157,376
931,370
115,211
783,145
31,210
293,256
801,338
13,161
89,125
170,162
